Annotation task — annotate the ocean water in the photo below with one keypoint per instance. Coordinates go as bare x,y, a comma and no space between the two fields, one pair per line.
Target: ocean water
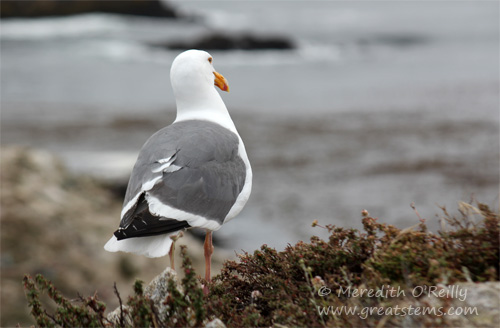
381,104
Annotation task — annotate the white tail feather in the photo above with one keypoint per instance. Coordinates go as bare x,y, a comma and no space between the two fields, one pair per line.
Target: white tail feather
152,246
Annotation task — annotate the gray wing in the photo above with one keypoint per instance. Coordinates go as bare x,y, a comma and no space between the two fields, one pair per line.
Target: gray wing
192,166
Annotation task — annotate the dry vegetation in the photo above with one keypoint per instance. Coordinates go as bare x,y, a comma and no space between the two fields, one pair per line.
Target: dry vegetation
270,288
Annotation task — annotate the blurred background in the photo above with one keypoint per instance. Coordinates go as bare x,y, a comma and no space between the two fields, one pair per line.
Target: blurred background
343,106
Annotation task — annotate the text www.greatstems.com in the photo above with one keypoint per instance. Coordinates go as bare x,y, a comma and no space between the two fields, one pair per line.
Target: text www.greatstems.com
364,312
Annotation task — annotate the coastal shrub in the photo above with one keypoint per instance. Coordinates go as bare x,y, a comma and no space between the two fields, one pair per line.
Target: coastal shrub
282,287
299,285
181,309
89,314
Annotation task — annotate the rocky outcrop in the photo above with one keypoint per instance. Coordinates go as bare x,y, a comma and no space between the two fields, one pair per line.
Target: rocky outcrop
40,8
52,223
233,42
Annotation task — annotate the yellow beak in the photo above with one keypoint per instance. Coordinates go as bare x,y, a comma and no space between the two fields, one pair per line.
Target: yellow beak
221,82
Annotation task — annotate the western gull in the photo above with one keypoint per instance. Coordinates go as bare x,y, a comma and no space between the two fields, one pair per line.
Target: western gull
192,173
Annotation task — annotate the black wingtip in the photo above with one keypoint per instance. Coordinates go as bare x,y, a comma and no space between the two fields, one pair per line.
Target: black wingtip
148,225
120,234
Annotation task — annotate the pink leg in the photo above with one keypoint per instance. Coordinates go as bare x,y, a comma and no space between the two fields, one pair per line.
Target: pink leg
171,255
209,249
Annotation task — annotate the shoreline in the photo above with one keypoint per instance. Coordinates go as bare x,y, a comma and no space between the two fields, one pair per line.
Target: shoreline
305,167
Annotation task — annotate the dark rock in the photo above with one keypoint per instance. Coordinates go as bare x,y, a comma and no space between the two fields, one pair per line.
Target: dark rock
40,8
394,40
227,42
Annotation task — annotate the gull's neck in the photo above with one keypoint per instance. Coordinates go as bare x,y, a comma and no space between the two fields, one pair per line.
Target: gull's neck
207,105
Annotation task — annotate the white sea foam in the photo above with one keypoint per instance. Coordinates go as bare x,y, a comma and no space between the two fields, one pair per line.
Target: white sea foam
61,27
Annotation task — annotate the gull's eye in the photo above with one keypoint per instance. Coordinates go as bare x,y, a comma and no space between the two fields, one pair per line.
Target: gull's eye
210,60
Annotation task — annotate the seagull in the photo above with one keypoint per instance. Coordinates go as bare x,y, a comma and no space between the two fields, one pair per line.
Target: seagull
192,173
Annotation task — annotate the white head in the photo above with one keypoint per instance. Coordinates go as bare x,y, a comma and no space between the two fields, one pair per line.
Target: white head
193,78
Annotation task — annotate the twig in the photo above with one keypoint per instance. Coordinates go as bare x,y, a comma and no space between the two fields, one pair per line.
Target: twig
315,224
416,212
122,319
